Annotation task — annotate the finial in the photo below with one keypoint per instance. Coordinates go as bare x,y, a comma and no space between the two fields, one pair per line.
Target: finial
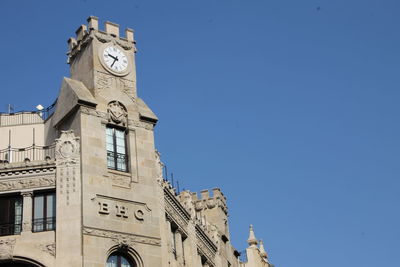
263,253
252,241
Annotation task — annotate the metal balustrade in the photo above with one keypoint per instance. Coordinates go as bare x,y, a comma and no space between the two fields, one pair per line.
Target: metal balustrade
27,117
28,154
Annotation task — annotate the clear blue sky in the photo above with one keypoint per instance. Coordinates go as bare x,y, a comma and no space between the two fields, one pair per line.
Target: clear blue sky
291,107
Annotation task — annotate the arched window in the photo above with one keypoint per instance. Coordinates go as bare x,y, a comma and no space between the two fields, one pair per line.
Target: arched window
119,260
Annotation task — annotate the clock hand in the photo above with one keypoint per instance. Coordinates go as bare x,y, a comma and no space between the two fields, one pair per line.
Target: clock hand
115,58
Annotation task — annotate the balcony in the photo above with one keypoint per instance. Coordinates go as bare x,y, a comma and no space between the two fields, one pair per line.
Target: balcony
27,117
27,155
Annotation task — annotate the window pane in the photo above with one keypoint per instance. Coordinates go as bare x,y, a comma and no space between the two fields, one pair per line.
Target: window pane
125,262
38,214
50,211
120,138
18,216
39,203
112,261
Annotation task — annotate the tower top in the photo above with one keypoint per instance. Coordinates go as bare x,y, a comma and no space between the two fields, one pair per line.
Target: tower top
84,34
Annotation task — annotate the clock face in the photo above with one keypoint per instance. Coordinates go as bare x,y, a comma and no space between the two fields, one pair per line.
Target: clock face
115,59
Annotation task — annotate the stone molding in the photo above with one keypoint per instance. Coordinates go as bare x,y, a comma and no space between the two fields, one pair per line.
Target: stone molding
105,38
175,211
46,181
7,248
122,238
27,171
205,245
103,115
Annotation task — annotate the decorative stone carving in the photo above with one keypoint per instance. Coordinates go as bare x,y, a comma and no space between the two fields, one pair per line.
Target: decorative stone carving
205,245
7,248
117,112
131,123
159,166
175,210
68,170
67,148
48,248
104,38
121,238
27,183
105,81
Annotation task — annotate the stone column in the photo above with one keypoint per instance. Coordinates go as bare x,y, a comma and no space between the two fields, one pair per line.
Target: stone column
179,246
27,211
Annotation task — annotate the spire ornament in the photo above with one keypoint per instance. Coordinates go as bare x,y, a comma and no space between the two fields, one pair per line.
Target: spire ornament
252,241
263,253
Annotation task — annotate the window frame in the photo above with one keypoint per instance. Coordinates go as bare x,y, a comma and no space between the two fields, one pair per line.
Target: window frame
11,227
45,219
119,261
115,154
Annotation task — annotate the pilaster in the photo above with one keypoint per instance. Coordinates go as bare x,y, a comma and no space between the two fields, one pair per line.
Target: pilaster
27,211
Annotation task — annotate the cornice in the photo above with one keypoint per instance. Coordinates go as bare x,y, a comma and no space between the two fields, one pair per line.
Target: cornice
122,238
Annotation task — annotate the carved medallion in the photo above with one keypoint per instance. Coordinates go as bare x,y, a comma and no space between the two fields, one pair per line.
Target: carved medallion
67,146
117,112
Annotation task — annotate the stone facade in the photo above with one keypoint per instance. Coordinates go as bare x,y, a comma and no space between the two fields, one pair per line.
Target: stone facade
88,190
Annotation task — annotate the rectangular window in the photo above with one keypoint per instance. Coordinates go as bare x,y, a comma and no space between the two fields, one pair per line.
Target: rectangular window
116,150
44,212
10,215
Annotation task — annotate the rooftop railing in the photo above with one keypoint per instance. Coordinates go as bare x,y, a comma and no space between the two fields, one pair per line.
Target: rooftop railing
28,154
27,117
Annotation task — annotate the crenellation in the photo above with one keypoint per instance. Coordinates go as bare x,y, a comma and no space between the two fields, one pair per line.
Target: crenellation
81,32
205,194
93,23
112,28
85,34
129,34
72,43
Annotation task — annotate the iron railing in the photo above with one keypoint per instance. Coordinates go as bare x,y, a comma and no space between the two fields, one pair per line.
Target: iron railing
32,153
117,161
27,117
10,228
44,224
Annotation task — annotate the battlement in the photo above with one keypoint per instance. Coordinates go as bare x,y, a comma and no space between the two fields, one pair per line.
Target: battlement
209,200
84,34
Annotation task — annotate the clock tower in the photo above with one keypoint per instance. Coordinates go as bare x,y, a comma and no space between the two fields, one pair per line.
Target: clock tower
102,59
117,199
